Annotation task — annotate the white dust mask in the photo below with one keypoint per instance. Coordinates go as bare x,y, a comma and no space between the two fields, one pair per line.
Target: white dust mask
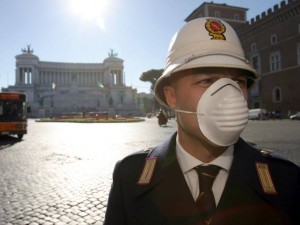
222,112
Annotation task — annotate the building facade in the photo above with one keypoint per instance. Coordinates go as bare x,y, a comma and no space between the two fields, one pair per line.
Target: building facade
233,15
271,42
57,88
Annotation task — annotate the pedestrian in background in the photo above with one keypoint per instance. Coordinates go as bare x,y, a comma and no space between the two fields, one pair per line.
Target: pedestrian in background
205,173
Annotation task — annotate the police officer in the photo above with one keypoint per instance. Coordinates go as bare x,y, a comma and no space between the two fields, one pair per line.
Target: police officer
205,173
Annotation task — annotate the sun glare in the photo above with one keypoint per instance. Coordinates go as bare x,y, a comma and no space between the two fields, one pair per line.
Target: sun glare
90,10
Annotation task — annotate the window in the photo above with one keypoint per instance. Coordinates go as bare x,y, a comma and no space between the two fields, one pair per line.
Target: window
253,47
121,95
217,14
255,60
237,16
275,61
255,90
273,39
277,94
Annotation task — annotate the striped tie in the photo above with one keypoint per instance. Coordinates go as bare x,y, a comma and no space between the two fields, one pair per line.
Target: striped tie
206,201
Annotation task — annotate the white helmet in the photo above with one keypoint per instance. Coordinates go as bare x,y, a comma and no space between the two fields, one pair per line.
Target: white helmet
203,42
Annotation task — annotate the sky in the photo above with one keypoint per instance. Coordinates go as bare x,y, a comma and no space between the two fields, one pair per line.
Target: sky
85,30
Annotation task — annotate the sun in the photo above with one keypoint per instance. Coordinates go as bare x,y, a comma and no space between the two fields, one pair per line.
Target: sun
90,10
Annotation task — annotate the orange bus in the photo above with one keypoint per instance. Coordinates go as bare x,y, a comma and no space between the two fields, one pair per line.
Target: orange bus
13,114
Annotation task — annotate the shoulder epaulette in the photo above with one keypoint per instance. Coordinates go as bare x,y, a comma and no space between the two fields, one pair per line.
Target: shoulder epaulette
265,178
148,171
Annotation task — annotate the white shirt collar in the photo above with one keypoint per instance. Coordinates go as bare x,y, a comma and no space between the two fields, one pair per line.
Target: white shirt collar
188,162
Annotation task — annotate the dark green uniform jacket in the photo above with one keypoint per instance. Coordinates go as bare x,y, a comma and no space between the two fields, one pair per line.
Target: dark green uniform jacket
149,189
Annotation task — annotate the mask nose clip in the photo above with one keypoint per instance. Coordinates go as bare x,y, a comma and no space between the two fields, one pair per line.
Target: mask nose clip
220,88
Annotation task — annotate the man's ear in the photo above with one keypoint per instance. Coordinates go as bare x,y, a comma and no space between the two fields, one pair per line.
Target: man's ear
170,96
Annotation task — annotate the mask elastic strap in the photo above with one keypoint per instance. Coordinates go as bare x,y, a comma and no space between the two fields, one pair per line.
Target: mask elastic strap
189,112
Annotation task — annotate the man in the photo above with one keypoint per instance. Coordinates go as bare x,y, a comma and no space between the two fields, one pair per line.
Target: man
205,173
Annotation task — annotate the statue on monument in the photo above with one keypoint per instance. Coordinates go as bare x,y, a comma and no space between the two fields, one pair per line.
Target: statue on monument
28,50
112,53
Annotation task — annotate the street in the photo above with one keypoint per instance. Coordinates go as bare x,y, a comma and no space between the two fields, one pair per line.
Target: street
60,173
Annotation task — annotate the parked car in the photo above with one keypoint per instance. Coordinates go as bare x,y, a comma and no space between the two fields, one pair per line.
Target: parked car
257,114
295,116
276,114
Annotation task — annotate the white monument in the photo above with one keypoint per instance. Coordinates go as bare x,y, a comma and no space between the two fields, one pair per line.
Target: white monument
55,88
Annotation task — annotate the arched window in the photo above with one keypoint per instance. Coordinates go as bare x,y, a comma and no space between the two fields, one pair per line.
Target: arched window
277,95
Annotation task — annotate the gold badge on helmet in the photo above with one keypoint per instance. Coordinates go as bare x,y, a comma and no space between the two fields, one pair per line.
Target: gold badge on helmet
216,29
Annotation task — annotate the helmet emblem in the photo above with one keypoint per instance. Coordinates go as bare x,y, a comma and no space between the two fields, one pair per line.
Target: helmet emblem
216,29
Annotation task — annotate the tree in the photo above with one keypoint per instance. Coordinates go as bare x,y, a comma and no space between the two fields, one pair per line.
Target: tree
151,76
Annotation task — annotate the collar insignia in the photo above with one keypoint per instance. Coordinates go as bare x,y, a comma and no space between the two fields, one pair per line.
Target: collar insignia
216,29
265,178
148,170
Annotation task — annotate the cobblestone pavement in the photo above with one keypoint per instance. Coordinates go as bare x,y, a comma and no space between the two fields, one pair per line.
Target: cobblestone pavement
52,189
61,173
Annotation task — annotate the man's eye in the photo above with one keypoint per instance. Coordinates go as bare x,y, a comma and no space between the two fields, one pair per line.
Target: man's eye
241,82
205,82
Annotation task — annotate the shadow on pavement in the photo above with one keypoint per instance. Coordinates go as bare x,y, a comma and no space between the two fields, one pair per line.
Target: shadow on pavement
7,141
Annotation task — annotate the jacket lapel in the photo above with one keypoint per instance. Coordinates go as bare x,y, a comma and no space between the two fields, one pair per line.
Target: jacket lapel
243,200
168,191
